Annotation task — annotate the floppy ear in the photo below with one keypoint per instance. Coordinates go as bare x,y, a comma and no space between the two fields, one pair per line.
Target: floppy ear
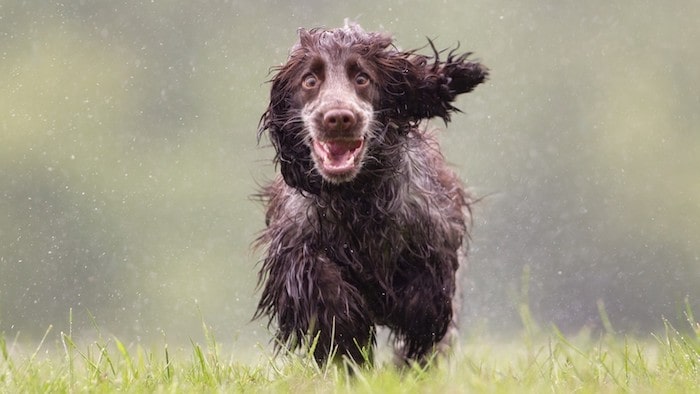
422,87
284,127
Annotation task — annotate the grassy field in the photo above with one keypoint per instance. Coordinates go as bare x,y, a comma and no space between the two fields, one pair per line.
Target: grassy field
539,363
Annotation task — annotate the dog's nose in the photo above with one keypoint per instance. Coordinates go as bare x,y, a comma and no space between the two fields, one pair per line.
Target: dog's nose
339,120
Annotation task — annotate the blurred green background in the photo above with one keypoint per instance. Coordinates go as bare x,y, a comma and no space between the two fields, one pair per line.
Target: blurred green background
128,156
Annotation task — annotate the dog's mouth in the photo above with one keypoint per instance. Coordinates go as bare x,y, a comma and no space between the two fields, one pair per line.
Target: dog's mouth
338,159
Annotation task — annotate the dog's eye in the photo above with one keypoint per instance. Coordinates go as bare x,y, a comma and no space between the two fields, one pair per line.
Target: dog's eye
362,79
309,81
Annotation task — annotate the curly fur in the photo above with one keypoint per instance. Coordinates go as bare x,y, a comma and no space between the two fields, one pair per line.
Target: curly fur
379,244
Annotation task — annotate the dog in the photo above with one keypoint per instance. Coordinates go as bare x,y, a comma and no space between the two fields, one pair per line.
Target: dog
366,226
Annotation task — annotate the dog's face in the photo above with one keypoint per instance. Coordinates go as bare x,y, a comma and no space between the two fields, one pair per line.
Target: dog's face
337,91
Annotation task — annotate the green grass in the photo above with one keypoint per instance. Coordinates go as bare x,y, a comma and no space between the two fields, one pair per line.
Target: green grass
538,363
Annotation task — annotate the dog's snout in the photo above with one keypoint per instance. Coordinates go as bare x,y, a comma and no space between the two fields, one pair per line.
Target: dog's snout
339,120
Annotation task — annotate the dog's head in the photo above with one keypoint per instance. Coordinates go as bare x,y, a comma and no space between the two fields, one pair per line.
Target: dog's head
343,88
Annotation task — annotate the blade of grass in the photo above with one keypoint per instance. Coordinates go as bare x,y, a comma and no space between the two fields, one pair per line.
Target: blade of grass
130,372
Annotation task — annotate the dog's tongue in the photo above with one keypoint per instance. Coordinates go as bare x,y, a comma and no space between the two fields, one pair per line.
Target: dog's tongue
339,150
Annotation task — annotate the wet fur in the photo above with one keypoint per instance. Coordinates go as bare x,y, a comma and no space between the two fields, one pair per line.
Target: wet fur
383,247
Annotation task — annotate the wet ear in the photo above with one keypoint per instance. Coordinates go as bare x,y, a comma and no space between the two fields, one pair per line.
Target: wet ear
282,125
426,86
460,74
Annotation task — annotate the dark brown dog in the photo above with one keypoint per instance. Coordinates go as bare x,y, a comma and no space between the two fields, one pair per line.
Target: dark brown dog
366,225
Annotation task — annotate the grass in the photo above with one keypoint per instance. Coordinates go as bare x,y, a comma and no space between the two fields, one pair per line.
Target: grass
538,363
